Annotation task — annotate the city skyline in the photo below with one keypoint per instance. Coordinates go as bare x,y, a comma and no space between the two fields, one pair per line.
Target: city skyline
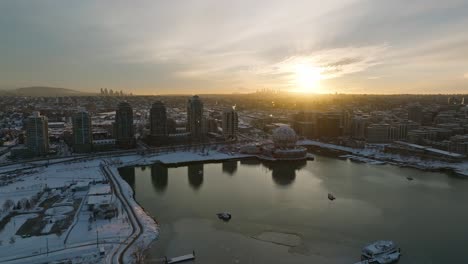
214,47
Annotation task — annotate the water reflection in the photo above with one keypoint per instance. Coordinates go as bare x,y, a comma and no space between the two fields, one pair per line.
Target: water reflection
284,173
230,167
129,174
251,162
296,201
159,177
195,175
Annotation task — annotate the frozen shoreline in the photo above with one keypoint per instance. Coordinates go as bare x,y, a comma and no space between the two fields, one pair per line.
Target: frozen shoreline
370,155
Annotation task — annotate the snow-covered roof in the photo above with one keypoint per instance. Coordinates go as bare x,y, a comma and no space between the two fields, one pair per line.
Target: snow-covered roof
99,199
99,189
82,184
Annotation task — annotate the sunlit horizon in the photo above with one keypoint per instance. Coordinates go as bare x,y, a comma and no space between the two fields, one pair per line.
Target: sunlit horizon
219,47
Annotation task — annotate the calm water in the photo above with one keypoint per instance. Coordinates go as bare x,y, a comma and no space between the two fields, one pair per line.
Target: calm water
281,213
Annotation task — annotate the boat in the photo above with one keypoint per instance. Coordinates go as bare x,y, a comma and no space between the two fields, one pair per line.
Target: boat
382,252
310,156
331,197
180,258
224,216
409,178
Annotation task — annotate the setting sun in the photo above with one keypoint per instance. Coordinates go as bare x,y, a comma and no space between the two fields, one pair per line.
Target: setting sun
307,78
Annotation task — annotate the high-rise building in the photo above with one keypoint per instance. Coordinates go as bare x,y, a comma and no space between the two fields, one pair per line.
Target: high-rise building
123,126
37,134
378,133
330,125
402,128
209,125
230,123
158,120
195,117
359,126
305,124
82,132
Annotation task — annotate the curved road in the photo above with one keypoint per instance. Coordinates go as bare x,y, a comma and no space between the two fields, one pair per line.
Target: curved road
117,255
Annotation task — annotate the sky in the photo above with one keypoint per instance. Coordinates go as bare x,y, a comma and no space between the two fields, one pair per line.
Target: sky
224,46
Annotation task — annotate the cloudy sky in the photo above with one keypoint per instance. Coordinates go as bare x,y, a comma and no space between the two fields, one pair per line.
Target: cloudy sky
221,46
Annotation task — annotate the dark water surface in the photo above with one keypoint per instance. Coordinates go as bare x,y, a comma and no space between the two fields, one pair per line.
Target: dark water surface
281,213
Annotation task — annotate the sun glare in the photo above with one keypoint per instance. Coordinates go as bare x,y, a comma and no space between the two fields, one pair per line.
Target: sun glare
307,78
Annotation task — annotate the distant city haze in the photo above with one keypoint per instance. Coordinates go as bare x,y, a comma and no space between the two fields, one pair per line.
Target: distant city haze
220,46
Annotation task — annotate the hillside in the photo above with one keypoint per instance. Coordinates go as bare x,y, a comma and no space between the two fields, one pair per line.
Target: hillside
42,91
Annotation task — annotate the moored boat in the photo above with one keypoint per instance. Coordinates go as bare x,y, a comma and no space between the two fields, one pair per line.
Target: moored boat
382,252
224,216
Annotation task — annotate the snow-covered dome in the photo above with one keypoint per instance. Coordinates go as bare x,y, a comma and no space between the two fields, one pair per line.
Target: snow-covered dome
284,136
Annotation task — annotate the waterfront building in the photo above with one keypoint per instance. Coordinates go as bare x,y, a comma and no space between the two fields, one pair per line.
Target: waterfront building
123,126
37,134
195,118
284,148
305,124
378,133
401,129
82,132
417,136
330,125
459,144
211,125
230,123
158,123
359,125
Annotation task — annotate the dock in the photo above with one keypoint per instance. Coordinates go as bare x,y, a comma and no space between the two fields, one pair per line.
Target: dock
181,258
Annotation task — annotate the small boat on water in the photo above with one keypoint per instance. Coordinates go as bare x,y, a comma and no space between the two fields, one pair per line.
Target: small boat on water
179,259
409,178
331,197
224,216
380,252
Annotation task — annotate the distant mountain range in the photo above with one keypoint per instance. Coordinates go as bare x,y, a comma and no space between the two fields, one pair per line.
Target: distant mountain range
42,91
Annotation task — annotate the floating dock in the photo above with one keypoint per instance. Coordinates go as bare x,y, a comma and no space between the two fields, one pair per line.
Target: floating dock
181,258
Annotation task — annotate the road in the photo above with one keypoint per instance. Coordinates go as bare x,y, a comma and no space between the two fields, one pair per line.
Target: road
117,256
